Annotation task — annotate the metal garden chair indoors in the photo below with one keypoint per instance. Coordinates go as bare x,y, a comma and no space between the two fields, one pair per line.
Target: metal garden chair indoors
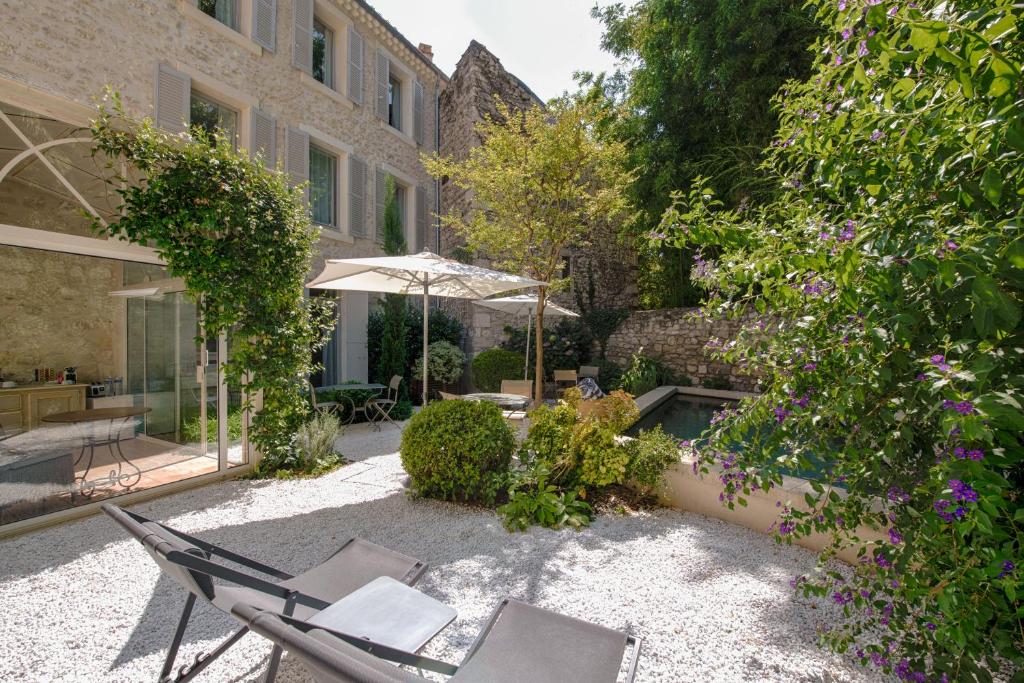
194,564
519,643
383,407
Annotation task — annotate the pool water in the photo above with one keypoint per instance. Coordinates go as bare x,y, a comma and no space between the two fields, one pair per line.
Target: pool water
683,416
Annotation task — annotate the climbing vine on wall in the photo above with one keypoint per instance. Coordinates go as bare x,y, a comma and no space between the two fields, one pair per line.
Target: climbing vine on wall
240,237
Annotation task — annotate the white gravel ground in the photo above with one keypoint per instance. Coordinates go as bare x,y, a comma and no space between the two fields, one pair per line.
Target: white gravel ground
711,600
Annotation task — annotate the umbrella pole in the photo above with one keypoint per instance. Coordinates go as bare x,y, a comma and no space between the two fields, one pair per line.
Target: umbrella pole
526,366
426,316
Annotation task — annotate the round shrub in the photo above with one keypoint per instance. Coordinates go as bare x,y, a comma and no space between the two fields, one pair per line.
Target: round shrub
446,361
493,365
457,450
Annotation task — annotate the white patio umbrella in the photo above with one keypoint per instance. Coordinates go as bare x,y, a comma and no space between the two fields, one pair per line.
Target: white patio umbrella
424,273
520,304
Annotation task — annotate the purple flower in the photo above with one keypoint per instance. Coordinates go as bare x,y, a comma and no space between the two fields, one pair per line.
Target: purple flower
842,598
965,408
894,536
1007,568
962,492
847,33
882,561
921,377
947,404
862,49
796,581
787,527
802,401
930,626
937,359
892,10
839,60
781,414
975,454
876,135
810,367
842,5
824,236
898,495
951,245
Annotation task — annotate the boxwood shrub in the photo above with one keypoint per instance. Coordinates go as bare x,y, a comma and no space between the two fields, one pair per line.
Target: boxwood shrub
457,450
493,365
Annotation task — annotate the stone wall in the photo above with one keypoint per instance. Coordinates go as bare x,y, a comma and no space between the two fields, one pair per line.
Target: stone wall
677,336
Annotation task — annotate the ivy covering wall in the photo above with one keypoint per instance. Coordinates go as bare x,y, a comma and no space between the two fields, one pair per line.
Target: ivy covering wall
240,237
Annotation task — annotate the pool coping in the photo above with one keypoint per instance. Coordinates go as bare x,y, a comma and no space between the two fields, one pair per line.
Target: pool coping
683,488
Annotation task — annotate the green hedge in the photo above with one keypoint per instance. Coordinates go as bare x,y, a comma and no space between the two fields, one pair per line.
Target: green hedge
457,450
493,365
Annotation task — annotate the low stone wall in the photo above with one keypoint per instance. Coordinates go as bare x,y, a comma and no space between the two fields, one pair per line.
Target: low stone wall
677,337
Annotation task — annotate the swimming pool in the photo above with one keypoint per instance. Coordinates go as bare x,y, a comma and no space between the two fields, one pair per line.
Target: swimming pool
683,416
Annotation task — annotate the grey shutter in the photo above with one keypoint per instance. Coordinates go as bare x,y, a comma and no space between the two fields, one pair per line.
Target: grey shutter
417,111
173,91
297,157
383,71
302,45
355,66
421,218
356,196
380,195
264,23
264,137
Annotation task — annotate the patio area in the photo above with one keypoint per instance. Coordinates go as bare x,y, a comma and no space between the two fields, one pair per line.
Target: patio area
710,600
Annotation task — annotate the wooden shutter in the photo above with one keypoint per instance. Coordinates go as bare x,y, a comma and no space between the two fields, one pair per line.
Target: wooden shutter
417,111
297,157
356,196
173,90
355,65
381,195
383,72
421,218
264,23
264,137
302,45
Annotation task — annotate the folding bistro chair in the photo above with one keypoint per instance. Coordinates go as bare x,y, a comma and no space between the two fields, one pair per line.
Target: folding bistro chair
519,643
565,379
383,406
193,564
322,406
590,371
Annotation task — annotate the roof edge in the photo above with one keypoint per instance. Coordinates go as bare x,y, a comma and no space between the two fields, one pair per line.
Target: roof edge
398,34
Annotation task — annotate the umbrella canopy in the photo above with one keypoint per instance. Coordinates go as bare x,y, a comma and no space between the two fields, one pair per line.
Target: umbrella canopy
424,273
526,304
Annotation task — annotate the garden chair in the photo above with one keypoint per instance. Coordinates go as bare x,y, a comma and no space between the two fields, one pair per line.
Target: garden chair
520,642
445,396
519,387
383,406
322,406
193,564
564,379
590,371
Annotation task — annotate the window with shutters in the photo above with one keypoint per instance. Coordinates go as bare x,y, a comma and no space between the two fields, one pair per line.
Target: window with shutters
224,11
323,53
323,187
394,102
212,116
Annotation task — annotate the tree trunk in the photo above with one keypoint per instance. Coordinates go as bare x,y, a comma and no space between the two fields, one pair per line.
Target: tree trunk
538,372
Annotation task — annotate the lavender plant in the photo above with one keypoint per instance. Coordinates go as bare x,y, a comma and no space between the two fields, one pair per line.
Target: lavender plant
889,275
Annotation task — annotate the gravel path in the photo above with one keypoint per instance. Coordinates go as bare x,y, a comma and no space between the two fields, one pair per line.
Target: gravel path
711,600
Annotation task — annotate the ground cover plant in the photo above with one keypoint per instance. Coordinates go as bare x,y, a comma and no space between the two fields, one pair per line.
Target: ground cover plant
890,275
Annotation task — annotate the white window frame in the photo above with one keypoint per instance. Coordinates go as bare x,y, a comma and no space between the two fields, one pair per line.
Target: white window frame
342,152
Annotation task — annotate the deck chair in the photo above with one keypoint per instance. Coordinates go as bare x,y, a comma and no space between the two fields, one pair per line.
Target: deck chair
194,564
519,643
383,406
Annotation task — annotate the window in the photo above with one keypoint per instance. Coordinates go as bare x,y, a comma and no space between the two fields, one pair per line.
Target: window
323,189
211,116
395,102
224,11
323,53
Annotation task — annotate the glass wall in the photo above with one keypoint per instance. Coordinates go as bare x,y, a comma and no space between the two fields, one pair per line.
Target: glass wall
108,385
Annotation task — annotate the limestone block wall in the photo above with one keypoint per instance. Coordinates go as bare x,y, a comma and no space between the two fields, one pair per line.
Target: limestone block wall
677,336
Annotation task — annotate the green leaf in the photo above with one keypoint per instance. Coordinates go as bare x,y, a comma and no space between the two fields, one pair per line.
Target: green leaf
992,184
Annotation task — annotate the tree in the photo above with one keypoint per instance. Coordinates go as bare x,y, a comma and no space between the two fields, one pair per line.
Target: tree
695,100
392,359
541,180
890,274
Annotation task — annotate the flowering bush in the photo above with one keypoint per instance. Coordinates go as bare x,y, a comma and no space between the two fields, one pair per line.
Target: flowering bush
892,269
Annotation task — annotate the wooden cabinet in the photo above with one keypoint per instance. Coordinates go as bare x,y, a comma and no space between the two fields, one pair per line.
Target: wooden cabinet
23,408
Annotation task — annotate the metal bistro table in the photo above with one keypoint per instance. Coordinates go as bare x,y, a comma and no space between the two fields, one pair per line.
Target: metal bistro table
507,401
92,436
347,401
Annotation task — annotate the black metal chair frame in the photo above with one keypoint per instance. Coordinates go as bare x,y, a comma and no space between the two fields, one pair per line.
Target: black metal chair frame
436,665
202,564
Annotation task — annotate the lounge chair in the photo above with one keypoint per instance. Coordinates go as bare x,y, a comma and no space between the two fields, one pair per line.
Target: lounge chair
520,642
193,564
